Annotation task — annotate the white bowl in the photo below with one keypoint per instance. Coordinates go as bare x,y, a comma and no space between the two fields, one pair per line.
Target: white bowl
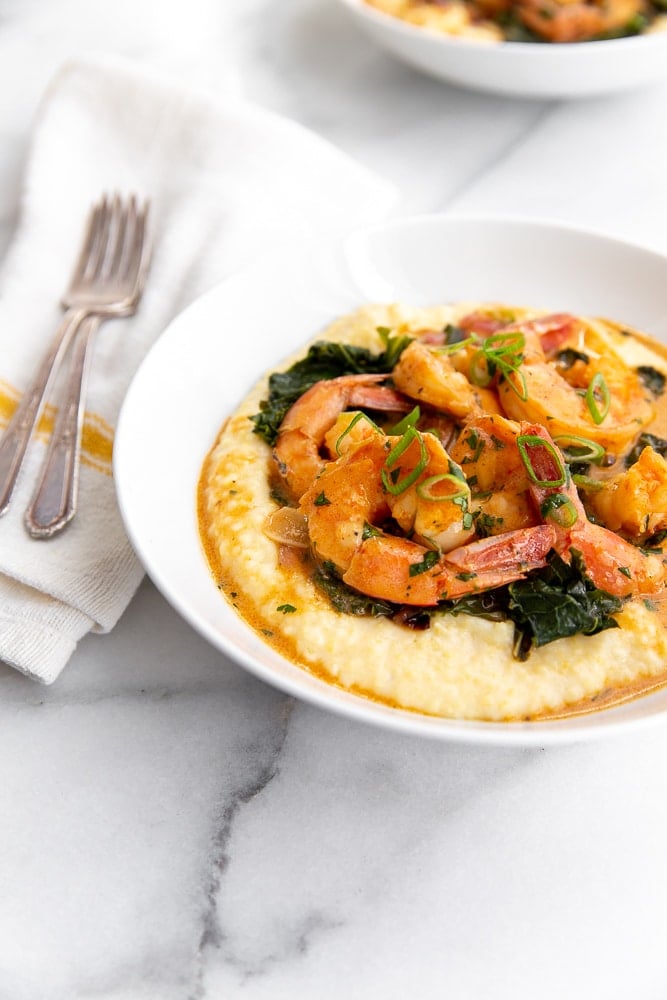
208,358
519,69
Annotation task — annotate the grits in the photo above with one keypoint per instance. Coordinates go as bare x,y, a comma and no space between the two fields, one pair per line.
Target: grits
462,666
552,21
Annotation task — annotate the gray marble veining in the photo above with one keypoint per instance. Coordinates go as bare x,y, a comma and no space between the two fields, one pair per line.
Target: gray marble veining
173,829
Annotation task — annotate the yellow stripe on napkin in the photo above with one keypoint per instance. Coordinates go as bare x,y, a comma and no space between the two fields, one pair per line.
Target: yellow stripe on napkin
96,439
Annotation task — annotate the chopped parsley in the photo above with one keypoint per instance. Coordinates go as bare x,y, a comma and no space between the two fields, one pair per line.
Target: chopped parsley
430,560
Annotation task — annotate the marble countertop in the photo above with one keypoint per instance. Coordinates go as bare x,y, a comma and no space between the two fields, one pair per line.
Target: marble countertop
171,828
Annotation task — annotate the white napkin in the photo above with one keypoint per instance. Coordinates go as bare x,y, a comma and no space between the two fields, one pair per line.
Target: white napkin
226,181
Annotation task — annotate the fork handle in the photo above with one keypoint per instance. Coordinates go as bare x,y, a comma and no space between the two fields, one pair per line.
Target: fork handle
54,502
18,432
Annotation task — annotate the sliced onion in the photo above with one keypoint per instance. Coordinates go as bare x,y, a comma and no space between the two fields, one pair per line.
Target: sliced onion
287,527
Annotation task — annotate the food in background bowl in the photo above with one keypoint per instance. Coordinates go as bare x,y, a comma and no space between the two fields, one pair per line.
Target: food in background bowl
531,20
458,510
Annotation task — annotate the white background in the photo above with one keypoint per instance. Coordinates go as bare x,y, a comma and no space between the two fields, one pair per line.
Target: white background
170,828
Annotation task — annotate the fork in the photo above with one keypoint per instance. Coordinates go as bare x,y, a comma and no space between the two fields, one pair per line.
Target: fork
106,282
113,279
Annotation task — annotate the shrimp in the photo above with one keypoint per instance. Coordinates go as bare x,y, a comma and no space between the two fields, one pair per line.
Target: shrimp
304,427
635,501
488,453
348,504
427,374
434,510
551,329
398,570
612,564
355,492
442,379
340,505
538,392
577,20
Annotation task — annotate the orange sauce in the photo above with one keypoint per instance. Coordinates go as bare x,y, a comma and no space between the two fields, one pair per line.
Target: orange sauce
245,607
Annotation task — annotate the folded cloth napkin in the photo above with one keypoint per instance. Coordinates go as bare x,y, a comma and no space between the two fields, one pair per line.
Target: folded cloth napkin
226,181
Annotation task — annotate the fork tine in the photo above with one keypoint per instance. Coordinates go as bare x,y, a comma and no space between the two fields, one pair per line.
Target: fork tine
99,244
137,248
116,245
123,258
89,241
115,235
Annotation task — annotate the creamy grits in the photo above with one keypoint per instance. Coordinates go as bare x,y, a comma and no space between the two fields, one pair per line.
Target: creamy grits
461,666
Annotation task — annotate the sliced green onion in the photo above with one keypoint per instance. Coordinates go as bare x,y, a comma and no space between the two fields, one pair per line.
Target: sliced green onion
426,492
598,398
456,346
508,342
526,441
501,352
392,483
522,393
580,449
480,371
560,509
587,483
355,420
409,420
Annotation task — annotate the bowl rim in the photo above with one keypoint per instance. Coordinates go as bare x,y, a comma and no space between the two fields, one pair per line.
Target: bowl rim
564,731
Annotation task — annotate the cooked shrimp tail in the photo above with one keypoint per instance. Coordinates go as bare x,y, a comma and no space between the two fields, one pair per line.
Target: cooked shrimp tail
614,565
398,570
304,427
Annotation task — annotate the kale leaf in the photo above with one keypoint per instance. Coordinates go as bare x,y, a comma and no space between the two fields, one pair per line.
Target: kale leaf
646,441
560,601
551,603
347,600
652,379
324,360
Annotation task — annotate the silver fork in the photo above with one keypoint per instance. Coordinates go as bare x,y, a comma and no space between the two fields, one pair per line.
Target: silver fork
107,281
